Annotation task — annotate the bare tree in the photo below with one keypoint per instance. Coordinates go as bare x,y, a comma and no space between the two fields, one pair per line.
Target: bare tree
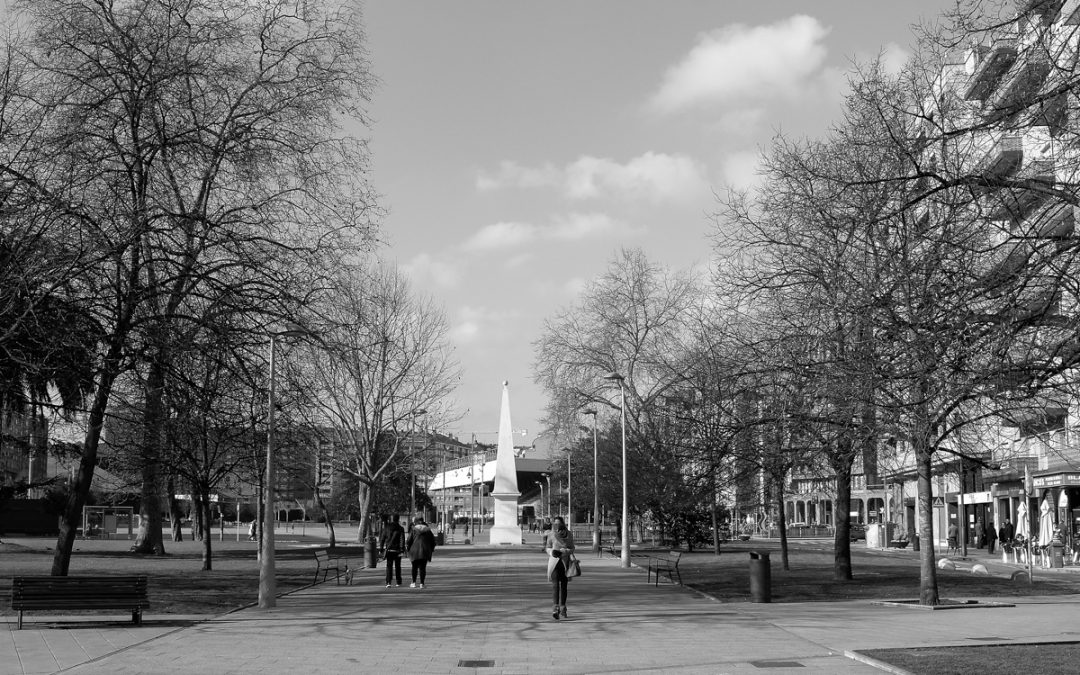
383,357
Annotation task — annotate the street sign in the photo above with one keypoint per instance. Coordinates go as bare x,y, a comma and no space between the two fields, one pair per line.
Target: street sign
938,502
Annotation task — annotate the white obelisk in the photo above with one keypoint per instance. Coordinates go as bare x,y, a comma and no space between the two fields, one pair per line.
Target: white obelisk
506,529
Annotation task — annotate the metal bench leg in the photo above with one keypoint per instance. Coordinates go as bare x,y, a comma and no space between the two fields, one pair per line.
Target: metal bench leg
20,620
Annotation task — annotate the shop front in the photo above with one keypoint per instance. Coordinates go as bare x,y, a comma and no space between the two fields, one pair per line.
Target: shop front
1059,493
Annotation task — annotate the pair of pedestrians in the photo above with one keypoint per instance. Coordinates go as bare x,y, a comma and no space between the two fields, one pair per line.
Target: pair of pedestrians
419,544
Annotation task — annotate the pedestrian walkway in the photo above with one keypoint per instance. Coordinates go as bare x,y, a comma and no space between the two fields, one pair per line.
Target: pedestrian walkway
488,610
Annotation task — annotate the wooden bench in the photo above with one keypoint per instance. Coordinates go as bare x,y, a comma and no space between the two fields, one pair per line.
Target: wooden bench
668,565
612,548
100,592
325,563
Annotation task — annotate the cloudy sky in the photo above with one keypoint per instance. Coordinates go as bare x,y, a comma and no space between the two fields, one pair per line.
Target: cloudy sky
518,146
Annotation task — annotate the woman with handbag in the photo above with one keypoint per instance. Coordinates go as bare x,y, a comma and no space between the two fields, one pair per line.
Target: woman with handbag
560,549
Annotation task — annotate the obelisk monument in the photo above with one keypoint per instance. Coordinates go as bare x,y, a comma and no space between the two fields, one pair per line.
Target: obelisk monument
506,529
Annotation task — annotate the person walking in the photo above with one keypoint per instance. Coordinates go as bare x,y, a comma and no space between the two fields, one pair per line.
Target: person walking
392,543
1005,532
990,536
420,544
954,539
560,546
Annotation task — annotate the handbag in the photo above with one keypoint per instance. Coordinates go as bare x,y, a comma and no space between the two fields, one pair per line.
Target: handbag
575,567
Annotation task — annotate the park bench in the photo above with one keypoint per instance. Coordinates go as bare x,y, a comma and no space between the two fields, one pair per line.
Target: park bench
98,592
668,565
612,548
325,563
898,543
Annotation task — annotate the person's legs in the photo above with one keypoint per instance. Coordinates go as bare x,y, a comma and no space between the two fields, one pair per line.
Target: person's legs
423,570
415,569
558,590
397,568
389,567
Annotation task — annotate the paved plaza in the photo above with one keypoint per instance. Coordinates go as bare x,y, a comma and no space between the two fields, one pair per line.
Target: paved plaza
487,610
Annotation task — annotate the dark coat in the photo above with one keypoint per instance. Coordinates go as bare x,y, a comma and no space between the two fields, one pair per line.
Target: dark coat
421,543
393,538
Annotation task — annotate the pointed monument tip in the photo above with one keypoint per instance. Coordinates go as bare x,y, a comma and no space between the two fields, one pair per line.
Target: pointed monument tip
506,383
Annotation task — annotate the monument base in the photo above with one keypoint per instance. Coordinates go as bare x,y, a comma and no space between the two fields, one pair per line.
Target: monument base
506,529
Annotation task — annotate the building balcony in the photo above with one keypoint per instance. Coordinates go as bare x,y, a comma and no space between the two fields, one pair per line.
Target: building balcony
1032,191
1023,81
1047,9
1056,223
991,63
1004,158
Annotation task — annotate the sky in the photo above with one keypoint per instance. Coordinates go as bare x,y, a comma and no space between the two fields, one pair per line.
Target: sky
518,146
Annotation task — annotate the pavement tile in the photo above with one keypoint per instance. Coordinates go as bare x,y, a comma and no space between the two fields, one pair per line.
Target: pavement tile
493,604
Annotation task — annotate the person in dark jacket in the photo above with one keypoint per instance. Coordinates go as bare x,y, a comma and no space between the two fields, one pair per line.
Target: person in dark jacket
392,544
420,544
990,536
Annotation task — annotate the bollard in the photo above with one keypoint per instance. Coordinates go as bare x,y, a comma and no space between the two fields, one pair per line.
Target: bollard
760,577
370,557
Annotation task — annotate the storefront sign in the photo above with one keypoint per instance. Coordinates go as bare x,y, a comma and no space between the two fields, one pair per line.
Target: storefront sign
977,497
1056,480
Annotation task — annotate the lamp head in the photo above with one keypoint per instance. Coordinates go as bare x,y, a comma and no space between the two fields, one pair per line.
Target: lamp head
615,377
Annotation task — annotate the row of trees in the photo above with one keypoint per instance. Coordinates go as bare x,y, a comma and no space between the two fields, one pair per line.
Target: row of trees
177,178
904,285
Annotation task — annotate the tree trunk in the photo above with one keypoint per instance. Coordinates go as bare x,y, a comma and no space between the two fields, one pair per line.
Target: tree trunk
842,537
783,525
329,521
207,535
197,529
149,539
365,513
71,517
928,590
175,514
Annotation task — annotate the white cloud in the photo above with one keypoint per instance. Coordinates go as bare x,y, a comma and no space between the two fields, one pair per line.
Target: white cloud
740,169
574,227
653,176
894,58
428,271
512,174
738,64
474,323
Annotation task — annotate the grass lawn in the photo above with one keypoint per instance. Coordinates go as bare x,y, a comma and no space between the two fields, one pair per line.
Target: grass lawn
878,575
1055,658
177,584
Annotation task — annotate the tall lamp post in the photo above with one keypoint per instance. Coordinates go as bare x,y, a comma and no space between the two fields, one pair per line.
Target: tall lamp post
625,553
541,505
596,485
267,582
412,463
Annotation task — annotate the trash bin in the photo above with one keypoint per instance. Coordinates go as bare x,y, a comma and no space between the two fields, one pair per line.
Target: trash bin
371,558
915,542
440,538
1057,561
760,577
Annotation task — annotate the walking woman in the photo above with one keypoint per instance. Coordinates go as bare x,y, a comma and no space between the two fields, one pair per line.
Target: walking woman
560,544
420,544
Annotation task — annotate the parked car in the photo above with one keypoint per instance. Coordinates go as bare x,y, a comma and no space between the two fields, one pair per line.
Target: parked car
858,532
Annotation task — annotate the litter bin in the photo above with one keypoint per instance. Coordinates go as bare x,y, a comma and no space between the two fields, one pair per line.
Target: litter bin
915,542
760,577
440,538
370,557
1057,561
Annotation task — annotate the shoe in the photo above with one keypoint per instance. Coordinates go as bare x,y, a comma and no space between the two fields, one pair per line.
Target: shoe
555,614
421,585
388,585
563,612
412,585
397,585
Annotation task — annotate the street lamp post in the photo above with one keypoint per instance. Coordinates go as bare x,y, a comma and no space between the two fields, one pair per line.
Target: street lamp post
596,485
569,495
267,571
625,553
541,505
